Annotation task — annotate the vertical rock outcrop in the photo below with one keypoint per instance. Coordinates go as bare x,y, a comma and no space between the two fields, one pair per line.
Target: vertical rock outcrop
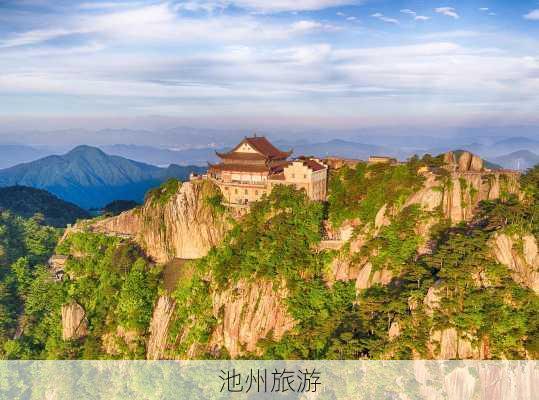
467,183
74,322
522,260
381,218
429,197
248,312
467,162
184,226
159,328
464,162
448,344
471,183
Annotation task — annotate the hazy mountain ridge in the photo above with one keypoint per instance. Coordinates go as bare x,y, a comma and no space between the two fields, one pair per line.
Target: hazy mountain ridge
360,147
13,154
192,146
518,160
90,178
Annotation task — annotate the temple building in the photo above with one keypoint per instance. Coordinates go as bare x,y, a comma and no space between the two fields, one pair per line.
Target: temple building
255,166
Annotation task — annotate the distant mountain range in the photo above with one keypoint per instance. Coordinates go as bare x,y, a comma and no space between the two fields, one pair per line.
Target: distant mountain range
163,157
90,178
499,148
520,160
13,154
496,152
198,148
26,202
202,155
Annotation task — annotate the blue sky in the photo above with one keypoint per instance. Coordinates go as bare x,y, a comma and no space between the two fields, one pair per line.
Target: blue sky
342,63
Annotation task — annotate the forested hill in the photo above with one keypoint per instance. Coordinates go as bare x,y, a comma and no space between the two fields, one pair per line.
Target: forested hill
91,178
436,258
27,202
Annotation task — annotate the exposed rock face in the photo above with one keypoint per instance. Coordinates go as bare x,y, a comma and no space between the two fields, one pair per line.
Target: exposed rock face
344,232
247,313
468,183
459,384
381,219
185,226
342,269
394,330
449,345
462,191
465,190
523,262
429,197
58,262
467,162
74,322
432,299
367,278
449,158
476,165
159,326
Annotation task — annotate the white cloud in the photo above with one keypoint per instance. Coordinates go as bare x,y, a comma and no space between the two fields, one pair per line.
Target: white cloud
160,24
408,11
414,15
305,26
33,37
290,5
351,18
201,5
484,9
532,15
107,5
149,57
284,79
447,11
382,17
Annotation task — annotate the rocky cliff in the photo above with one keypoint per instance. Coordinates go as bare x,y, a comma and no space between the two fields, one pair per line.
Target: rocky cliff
159,328
241,313
463,183
520,255
452,192
247,313
74,322
184,225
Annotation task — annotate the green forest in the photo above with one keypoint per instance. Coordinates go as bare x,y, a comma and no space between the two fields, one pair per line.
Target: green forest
277,242
111,279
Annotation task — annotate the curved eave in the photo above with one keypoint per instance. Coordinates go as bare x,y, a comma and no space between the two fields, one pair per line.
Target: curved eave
221,155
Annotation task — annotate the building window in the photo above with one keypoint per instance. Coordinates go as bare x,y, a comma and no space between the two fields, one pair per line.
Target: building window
236,191
246,192
256,192
293,176
305,176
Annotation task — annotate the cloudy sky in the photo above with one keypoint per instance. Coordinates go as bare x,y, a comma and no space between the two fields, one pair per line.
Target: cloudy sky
346,63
